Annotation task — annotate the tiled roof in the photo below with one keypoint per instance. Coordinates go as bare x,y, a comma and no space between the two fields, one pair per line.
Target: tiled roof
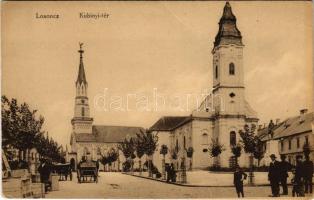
169,123
228,31
108,134
289,127
293,126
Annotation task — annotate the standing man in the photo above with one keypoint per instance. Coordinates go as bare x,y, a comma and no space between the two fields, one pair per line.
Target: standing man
284,166
308,174
274,176
299,175
238,177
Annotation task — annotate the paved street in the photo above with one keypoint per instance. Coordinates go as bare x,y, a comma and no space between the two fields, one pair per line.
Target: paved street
117,185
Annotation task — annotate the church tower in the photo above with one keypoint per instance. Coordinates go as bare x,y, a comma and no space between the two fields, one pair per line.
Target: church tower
231,109
81,122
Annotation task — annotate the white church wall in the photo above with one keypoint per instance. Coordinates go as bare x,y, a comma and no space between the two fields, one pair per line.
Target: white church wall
202,132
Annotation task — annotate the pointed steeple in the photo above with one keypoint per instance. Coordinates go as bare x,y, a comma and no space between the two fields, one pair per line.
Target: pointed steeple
228,32
81,78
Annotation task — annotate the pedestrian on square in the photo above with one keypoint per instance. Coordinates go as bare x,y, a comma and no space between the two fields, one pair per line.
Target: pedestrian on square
284,166
308,174
274,176
44,170
299,175
238,177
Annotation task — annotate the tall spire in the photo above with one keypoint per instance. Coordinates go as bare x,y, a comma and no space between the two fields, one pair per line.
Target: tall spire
81,78
228,32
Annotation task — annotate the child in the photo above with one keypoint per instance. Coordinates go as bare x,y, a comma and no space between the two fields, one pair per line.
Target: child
294,184
238,178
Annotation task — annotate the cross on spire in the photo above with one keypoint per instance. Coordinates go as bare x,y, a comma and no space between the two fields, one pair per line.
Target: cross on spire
81,75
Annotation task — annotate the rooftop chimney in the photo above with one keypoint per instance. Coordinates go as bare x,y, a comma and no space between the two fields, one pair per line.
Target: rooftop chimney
277,121
302,115
260,126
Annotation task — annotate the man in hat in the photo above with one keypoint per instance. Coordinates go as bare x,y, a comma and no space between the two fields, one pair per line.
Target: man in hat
284,166
308,174
274,176
238,177
299,175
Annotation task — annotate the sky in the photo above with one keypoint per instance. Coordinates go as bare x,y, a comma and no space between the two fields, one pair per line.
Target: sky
144,47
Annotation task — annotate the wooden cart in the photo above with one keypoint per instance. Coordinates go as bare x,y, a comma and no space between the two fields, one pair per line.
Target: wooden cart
87,172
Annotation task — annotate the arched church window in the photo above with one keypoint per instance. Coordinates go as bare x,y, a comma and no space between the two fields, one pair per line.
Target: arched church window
205,138
83,112
233,138
216,71
231,69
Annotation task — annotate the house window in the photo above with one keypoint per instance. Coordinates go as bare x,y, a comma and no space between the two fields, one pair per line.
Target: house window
83,112
281,145
306,140
233,138
231,69
216,71
184,142
177,146
289,144
205,139
298,142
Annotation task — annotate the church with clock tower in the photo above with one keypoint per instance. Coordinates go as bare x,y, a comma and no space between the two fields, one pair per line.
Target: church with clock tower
223,112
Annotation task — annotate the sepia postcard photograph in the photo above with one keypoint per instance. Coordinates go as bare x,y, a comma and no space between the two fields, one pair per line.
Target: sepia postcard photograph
157,99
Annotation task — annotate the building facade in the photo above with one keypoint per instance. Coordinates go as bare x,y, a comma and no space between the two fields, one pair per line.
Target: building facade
93,141
222,113
289,137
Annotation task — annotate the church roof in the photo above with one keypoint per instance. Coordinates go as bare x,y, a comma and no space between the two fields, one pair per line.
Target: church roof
169,123
81,78
108,134
228,32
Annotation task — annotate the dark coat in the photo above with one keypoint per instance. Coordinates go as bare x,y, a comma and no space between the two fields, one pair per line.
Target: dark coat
284,167
44,169
274,171
308,169
238,177
299,172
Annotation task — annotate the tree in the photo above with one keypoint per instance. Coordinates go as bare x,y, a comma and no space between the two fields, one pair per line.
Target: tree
252,145
189,153
128,148
306,149
215,150
140,149
21,127
112,157
236,151
150,143
164,151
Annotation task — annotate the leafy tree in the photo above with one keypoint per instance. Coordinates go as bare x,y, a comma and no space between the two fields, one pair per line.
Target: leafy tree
164,151
150,143
189,153
252,145
236,151
140,150
215,149
306,149
128,148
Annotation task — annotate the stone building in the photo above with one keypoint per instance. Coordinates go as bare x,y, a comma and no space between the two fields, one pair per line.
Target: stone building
289,137
93,141
222,113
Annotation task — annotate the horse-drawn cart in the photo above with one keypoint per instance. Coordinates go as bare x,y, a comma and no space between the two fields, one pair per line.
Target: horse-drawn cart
85,170
63,170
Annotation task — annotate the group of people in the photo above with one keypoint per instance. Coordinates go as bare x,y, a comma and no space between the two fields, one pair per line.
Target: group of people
301,180
278,175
